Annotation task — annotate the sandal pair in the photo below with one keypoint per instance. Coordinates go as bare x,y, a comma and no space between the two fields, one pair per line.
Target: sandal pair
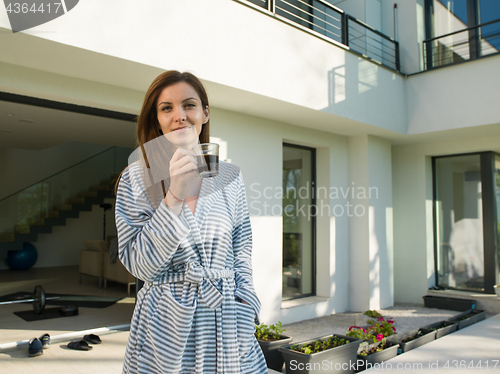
83,345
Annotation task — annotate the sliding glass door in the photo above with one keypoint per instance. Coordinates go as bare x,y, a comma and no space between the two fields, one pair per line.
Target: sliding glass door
466,222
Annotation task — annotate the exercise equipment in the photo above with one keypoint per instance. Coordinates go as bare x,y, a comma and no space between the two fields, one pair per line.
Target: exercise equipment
39,299
22,259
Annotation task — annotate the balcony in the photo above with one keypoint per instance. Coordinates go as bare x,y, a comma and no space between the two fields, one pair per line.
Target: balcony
328,22
463,45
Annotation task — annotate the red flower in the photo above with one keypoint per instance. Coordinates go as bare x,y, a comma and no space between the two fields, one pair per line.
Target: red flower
380,337
380,319
393,328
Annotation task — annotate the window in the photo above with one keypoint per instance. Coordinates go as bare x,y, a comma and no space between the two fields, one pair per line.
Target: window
461,30
466,223
299,221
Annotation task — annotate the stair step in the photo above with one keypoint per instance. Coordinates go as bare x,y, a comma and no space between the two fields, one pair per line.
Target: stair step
59,214
7,237
76,200
51,214
88,194
36,222
99,188
21,229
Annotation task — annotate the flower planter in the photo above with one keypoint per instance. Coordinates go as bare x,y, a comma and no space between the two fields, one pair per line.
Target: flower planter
474,316
441,328
366,362
274,358
340,359
427,337
448,303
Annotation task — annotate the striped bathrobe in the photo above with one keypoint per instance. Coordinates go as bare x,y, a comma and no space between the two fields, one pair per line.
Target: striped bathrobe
189,317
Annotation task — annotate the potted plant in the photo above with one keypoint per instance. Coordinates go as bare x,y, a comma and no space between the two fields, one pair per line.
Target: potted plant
442,328
332,353
468,317
270,338
416,339
374,349
372,314
376,354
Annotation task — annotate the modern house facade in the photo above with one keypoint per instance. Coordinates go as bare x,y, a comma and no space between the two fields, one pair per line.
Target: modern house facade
367,132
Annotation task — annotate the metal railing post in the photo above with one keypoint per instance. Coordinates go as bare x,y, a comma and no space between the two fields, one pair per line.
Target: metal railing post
428,54
345,29
271,6
396,51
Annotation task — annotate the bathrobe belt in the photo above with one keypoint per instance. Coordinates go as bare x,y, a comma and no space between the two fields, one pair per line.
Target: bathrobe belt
196,274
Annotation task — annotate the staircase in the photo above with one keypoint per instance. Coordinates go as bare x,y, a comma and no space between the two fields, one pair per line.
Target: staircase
57,217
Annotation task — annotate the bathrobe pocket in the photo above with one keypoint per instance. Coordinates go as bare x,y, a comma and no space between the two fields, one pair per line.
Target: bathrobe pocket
167,333
245,327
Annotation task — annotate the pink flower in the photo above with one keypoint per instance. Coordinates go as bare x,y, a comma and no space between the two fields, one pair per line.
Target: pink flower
380,337
363,330
381,325
391,321
393,328
380,319
352,327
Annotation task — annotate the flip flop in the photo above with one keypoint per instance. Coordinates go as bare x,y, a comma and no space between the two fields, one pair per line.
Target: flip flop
92,338
80,345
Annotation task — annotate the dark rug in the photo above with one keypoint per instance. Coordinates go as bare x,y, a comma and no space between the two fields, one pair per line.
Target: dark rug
48,313
80,301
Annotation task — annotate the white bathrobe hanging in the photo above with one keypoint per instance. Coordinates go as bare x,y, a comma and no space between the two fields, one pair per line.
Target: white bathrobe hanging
189,317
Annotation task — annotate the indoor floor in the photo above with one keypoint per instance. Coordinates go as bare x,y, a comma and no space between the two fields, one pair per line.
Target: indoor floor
60,280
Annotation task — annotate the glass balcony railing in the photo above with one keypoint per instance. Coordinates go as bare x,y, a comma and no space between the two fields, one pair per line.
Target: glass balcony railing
462,45
36,202
327,21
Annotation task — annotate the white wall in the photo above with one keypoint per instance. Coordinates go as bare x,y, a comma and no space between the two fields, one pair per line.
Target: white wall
21,168
255,145
459,96
370,226
227,43
413,210
410,34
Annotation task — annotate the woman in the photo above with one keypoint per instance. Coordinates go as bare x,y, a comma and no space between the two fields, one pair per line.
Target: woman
190,241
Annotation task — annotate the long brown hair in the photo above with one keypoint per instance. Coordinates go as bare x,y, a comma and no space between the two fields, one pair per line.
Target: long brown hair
148,127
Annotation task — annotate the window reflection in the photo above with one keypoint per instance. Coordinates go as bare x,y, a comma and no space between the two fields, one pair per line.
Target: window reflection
298,223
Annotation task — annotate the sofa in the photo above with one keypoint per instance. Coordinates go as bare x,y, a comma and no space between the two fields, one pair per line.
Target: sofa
96,260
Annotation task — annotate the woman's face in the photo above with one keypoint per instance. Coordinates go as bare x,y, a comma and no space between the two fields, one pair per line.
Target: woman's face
181,114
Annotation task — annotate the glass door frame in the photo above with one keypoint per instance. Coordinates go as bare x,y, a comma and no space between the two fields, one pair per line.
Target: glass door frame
490,226
313,219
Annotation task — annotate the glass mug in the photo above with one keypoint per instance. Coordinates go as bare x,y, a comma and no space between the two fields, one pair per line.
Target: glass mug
207,156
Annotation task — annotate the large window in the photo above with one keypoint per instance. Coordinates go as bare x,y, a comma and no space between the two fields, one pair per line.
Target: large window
466,197
497,213
298,221
461,30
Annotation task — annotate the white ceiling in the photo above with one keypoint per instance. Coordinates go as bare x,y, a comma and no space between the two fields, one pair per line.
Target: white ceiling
31,127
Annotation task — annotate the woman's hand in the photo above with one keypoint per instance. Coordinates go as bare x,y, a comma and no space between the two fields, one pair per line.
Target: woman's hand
183,168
